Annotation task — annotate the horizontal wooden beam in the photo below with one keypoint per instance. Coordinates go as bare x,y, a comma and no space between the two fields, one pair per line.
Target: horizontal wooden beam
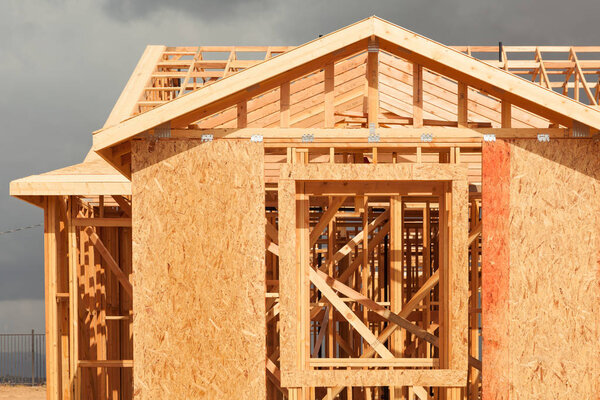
375,362
105,363
103,222
357,134
379,377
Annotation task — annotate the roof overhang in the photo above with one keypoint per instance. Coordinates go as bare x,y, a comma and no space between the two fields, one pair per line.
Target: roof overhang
85,179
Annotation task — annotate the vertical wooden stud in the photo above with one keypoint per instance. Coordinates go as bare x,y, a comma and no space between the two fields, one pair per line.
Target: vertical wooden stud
50,272
417,95
463,105
242,114
329,95
373,82
506,114
396,278
73,299
284,105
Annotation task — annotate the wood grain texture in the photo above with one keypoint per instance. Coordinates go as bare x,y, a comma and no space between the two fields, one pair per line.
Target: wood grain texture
381,377
288,279
541,273
553,285
199,270
374,172
459,272
495,268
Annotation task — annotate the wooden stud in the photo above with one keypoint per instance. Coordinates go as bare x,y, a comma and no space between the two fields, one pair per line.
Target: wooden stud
373,82
417,95
73,301
329,95
463,105
242,114
284,105
506,114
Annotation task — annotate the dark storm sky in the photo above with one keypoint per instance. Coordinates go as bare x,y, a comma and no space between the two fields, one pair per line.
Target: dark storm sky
64,62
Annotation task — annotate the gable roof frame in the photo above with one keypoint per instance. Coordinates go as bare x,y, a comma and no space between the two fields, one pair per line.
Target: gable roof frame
340,44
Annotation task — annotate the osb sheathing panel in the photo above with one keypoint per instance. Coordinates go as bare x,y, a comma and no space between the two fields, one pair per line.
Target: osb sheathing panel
495,267
288,278
553,291
553,285
199,269
459,296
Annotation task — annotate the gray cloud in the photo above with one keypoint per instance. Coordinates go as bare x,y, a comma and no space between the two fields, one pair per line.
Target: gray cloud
64,63
205,10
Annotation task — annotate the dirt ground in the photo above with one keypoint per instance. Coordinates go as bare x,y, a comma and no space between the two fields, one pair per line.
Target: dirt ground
22,393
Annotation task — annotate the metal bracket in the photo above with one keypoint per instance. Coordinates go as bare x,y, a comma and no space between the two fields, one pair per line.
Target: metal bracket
163,130
373,46
427,137
207,138
373,135
256,138
308,138
489,137
580,130
543,137
374,138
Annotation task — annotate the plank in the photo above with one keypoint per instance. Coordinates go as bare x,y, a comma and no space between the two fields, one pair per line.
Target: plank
326,218
334,299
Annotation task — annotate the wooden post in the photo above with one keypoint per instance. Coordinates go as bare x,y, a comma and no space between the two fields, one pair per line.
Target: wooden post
50,272
284,105
417,95
427,269
126,308
365,272
329,95
396,279
463,105
474,374
444,319
506,114
62,287
73,300
242,114
373,82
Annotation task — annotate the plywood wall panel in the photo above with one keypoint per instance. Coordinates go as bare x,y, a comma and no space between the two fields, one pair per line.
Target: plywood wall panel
459,273
553,286
495,268
199,270
550,300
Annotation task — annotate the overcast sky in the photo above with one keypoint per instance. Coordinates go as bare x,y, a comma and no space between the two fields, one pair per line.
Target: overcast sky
64,62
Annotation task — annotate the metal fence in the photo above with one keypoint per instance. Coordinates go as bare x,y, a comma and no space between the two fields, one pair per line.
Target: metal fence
23,358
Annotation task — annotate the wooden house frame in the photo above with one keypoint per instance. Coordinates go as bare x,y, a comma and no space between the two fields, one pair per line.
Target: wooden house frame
364,152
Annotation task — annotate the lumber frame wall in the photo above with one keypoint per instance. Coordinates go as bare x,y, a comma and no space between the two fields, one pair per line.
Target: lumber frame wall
88,298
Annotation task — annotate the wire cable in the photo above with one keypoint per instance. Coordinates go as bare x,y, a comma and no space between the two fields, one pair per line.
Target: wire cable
20,229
